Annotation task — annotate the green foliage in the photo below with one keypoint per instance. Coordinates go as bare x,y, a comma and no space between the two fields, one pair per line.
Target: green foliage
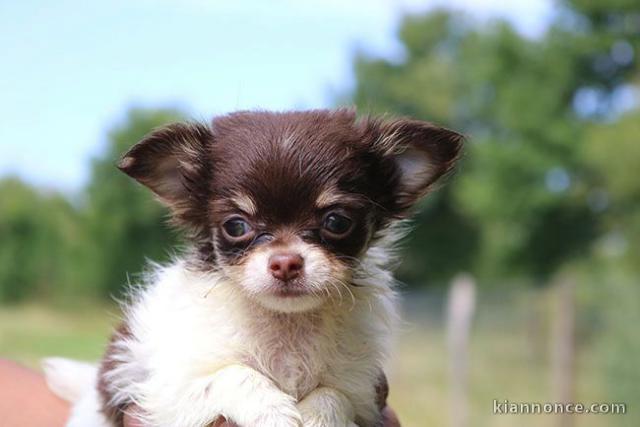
53,249
124,224
522,203
613,154
40,240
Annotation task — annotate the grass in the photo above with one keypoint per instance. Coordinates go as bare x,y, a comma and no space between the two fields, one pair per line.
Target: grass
508,359
30,332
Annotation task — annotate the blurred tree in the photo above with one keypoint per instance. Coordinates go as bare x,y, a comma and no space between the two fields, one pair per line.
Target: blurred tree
124,224
40,238
613,152
522,203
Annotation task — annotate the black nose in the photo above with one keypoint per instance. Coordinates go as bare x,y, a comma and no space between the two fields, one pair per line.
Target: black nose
285,265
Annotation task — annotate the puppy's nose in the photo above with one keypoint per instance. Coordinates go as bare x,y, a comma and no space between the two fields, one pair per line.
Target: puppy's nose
285,265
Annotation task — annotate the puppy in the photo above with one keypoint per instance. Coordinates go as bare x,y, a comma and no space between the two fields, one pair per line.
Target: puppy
280,314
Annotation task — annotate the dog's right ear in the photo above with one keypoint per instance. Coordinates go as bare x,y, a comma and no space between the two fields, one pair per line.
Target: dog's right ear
173,162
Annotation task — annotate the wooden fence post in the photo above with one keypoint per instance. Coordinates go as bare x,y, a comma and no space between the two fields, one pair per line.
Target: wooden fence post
460,308
563,347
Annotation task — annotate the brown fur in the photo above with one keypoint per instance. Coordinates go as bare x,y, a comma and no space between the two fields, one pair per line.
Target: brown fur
283,161
115,413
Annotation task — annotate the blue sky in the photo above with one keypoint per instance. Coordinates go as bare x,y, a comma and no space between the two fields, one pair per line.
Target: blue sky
70,69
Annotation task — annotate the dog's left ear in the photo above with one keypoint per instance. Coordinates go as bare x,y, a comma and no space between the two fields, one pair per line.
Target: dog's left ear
172,162
419,153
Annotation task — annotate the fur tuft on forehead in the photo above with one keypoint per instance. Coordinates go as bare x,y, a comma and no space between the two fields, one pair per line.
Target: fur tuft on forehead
284,160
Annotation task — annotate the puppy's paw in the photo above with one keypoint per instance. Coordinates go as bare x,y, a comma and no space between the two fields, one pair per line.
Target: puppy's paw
326,420
280,416
325,409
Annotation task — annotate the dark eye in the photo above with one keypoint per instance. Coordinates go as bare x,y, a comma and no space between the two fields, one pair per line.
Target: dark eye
337,224
236,227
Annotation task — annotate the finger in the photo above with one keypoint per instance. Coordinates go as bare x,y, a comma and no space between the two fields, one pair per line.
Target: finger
389,418
130,420
25,399
221,422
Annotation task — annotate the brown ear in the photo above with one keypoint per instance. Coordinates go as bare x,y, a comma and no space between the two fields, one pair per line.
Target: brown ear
173,162
421,153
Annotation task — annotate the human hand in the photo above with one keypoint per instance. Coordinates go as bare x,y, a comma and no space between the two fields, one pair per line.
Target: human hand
388,415
131,421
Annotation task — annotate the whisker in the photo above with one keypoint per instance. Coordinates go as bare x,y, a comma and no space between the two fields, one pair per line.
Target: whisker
345,286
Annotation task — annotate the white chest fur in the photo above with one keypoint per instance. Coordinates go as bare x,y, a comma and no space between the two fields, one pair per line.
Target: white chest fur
187,326
291,350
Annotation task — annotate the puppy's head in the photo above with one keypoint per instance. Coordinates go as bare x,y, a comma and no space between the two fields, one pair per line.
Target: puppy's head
286,204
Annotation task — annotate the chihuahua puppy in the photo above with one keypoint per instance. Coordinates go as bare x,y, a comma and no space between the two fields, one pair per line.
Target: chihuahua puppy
281,312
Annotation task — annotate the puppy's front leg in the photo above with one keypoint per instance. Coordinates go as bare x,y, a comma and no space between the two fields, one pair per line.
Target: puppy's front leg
326,407
240,394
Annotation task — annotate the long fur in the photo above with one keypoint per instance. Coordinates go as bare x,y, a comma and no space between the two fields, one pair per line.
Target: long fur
185,326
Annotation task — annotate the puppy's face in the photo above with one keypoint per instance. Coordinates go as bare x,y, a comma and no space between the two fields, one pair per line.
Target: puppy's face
286,204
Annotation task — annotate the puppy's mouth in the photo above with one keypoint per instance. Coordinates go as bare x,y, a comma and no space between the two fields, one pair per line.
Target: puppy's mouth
289,296
289,289
290,293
